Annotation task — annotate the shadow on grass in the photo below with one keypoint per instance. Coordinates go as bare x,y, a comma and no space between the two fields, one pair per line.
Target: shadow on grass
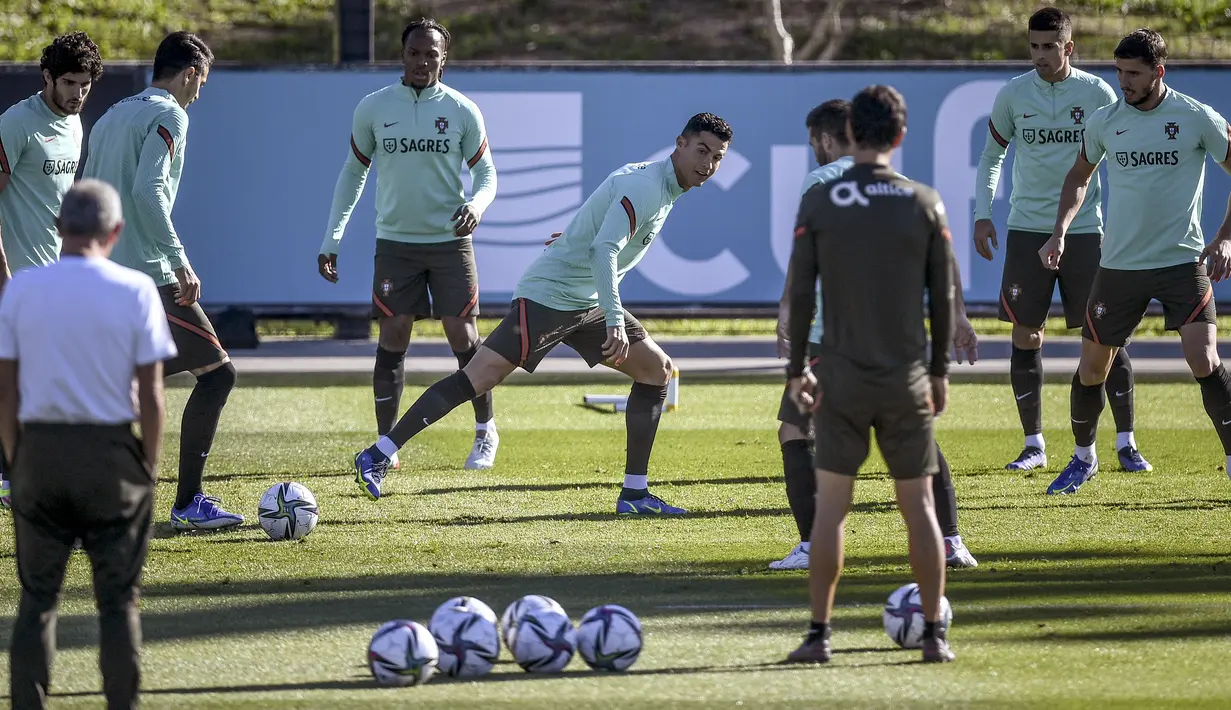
589,485
1098,588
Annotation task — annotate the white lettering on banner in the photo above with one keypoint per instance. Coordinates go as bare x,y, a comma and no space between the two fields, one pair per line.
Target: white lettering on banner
788,166
702,277
536,144
955,163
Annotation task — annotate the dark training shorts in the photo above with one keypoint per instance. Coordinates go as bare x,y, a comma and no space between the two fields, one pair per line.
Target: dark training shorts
194,336
1027,286
1119,298
898,406
425,280
531,330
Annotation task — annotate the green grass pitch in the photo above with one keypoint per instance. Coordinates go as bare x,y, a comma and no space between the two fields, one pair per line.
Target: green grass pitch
1119,596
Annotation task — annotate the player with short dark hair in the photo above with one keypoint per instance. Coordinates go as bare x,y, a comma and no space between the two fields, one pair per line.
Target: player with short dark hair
40,147
139,147
417,133
1157,140
1045,112
827,135
873,371
571,295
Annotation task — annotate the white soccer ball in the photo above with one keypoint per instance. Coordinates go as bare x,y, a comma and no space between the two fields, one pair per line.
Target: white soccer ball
288,511
402,653
903,616
545,641
471,603
468,641
513,613
609,638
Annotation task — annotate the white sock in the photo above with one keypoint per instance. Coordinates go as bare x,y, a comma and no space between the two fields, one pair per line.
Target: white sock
1229,467
636,483
489,425
386,447
1125,438
1036,440
807,546
1085,453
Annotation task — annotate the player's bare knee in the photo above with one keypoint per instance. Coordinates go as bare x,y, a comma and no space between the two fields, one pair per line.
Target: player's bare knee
1203,362
462,333
1027,338
790,432
665,368
486,370
1199,342
395,332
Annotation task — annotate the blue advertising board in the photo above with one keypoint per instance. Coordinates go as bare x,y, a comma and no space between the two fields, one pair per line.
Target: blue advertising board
265,147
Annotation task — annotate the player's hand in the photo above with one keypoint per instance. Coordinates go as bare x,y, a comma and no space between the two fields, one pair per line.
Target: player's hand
615,348
1051,252
804,391
784,341
965,341
1217,258
940,394
467,219
190,286
985,231
327,265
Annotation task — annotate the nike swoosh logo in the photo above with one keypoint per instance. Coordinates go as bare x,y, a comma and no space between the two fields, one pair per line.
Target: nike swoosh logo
1121,394
1123,131
426,422
1080,421
1023,396
1029,115
383,399
204,454
392,124
654,509
1226,422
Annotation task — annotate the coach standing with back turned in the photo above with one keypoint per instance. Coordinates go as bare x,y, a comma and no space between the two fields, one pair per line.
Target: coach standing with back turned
74,336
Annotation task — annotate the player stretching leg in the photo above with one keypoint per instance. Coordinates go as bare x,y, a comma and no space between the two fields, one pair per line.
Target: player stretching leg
827,135
138,147
1045,112
1157,139
418,132
40,145
571,295
872,371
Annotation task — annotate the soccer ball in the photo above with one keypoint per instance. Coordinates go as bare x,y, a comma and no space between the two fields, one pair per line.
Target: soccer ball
402,653
545,641
288,511
468,641
514,612
904,616
609,638
471,603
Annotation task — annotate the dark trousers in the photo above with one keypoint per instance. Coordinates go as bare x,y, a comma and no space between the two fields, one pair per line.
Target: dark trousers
87,482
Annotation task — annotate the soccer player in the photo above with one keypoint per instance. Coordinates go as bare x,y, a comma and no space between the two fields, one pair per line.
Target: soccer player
418,133
1045,112
1157,140
827,135
40,145
873,371
138,146
571,295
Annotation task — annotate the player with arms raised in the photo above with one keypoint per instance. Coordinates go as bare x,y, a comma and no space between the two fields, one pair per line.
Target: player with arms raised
571,295
417,133
1045,113
832,149
138,146
40,146
874,371
1156,140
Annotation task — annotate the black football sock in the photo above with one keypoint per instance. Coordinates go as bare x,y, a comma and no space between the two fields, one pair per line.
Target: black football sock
197,429
1026,376
1120,391
388,377
482,403
1085,406
945,497
437,401
1216,395
641,415
800,484
818,631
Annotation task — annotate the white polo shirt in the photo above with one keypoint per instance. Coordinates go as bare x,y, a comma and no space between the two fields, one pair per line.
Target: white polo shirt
78,329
